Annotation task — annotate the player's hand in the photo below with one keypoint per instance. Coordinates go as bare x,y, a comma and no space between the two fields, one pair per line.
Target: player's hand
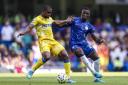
20,34
69,19
101,41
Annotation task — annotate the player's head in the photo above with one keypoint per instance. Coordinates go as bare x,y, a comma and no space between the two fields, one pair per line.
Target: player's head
85,13
46,11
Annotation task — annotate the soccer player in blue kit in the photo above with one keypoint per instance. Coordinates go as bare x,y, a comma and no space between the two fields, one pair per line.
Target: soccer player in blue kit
80,28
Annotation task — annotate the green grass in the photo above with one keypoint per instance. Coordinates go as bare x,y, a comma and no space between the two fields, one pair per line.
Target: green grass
19,79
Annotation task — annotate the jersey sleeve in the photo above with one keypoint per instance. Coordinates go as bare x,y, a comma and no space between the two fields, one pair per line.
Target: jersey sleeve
34,22
91,28
65,25
52,20
71,23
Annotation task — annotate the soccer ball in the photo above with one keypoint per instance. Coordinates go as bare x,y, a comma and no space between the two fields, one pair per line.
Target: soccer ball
61,78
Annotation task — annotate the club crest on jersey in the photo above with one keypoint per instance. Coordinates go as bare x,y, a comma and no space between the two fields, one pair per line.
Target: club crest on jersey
86,28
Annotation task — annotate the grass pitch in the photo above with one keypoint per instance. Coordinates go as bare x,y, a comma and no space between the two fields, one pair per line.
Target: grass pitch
50,79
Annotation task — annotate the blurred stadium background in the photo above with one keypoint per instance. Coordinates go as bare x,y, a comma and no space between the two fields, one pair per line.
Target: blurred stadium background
17,54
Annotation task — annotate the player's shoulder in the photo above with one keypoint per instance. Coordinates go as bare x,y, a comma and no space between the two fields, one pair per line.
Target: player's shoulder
37,17
88,22
50,18
76,18
90,25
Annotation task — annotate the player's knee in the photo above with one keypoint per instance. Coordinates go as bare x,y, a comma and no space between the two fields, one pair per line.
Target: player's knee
44,59
46,56
94,56
66,59
64,55
79,52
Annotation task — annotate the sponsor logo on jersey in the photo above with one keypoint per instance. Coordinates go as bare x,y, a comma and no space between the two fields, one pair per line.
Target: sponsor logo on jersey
46,25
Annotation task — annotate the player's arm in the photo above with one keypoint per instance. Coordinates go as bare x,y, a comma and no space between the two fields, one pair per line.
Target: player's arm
97,39
28,30
61,23
94,35
29,27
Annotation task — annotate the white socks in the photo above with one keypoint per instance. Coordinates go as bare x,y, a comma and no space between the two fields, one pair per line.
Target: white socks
97,65
86,61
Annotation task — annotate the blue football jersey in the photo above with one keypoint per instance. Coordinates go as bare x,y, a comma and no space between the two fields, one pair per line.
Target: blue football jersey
79,31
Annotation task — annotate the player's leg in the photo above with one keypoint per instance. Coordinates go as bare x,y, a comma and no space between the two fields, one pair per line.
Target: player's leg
45,51
60,51
67,65
95,58
40,62
66,60
78,51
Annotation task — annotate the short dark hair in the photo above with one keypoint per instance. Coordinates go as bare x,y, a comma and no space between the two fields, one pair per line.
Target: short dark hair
85,8
46,7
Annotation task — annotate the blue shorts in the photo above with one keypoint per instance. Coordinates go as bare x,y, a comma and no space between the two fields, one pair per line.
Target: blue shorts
88,49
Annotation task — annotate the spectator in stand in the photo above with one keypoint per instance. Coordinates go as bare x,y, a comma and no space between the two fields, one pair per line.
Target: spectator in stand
7,33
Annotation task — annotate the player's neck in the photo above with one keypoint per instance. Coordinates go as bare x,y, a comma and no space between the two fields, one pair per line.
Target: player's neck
44,17
83,20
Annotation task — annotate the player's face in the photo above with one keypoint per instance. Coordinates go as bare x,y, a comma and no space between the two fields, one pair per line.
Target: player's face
85,14
47,13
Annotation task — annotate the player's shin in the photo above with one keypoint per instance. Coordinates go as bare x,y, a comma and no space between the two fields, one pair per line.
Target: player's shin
39,63
97,65
67,67
86,61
